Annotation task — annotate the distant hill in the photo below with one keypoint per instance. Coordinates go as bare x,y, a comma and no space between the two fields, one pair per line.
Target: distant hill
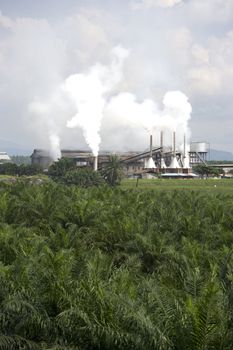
220,155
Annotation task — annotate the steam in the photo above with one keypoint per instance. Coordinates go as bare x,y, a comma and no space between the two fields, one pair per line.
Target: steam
43,112
174,116
55,148
89,94
82,100
177,110
50,114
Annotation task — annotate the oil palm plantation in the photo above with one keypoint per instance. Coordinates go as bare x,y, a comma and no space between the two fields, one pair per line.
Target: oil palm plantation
106,268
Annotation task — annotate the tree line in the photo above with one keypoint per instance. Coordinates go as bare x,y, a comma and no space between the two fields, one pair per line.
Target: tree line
207,170
19,170
66,171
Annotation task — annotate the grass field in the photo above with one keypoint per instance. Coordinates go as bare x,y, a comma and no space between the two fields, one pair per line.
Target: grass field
210,185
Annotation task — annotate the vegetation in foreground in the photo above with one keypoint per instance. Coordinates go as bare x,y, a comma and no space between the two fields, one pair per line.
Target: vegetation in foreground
104,268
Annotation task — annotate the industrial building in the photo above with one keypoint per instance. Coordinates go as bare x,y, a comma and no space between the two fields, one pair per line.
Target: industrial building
199,152
156,160
133,162
4,158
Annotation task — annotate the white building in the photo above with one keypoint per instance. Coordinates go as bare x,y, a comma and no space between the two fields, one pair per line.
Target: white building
4,157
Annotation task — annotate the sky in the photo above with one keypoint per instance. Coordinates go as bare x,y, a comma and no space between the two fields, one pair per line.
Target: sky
184,45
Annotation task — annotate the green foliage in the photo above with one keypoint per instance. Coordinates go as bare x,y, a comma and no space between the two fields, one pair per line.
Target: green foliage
206,170
66,172
59,169
8,169
20,170
82,178
18,160
113,172
109,268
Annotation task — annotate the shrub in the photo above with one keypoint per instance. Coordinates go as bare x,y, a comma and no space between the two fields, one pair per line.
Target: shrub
83,178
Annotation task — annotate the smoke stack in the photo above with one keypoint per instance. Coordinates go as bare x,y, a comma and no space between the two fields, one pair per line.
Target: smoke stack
162,162
151,145
184,146
161,141
174,163
95,163
149,163
185,156
174,143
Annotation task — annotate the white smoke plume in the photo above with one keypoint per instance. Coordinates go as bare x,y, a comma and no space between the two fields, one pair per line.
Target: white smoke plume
89,93
55,148
178,109
174,116
90,96
50,114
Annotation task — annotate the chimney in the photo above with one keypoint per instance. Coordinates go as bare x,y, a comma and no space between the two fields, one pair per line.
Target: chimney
184,146
95,163
174,163
174,144
161,141
149,163
162,162
185,156
151,145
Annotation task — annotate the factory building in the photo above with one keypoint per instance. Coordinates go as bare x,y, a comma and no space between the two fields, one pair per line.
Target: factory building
85,159
4,158
160,160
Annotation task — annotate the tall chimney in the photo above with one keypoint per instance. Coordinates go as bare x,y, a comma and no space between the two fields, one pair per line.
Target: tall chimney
151,145
95,163
186,163
174,163
184,146
162,162
149,163
174,143
161,141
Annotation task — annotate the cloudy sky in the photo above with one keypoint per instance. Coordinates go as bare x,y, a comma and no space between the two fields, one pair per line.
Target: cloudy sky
184,45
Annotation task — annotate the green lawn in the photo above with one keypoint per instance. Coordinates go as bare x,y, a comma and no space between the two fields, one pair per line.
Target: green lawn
216,185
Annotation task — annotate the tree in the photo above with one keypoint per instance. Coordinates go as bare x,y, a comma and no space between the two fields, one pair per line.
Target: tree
93,268
113,172
206,171
29,169
59,169
82,178
19,170
18,160
8,169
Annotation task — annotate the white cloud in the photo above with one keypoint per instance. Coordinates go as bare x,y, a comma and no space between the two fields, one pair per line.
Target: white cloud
84,35
186,48
211,70
5,22
205,80
200,54
147,4
210,10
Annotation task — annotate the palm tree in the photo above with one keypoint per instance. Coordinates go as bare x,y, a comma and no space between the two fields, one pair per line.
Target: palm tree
113,173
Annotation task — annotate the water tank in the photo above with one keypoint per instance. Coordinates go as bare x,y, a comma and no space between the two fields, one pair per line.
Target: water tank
199,147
